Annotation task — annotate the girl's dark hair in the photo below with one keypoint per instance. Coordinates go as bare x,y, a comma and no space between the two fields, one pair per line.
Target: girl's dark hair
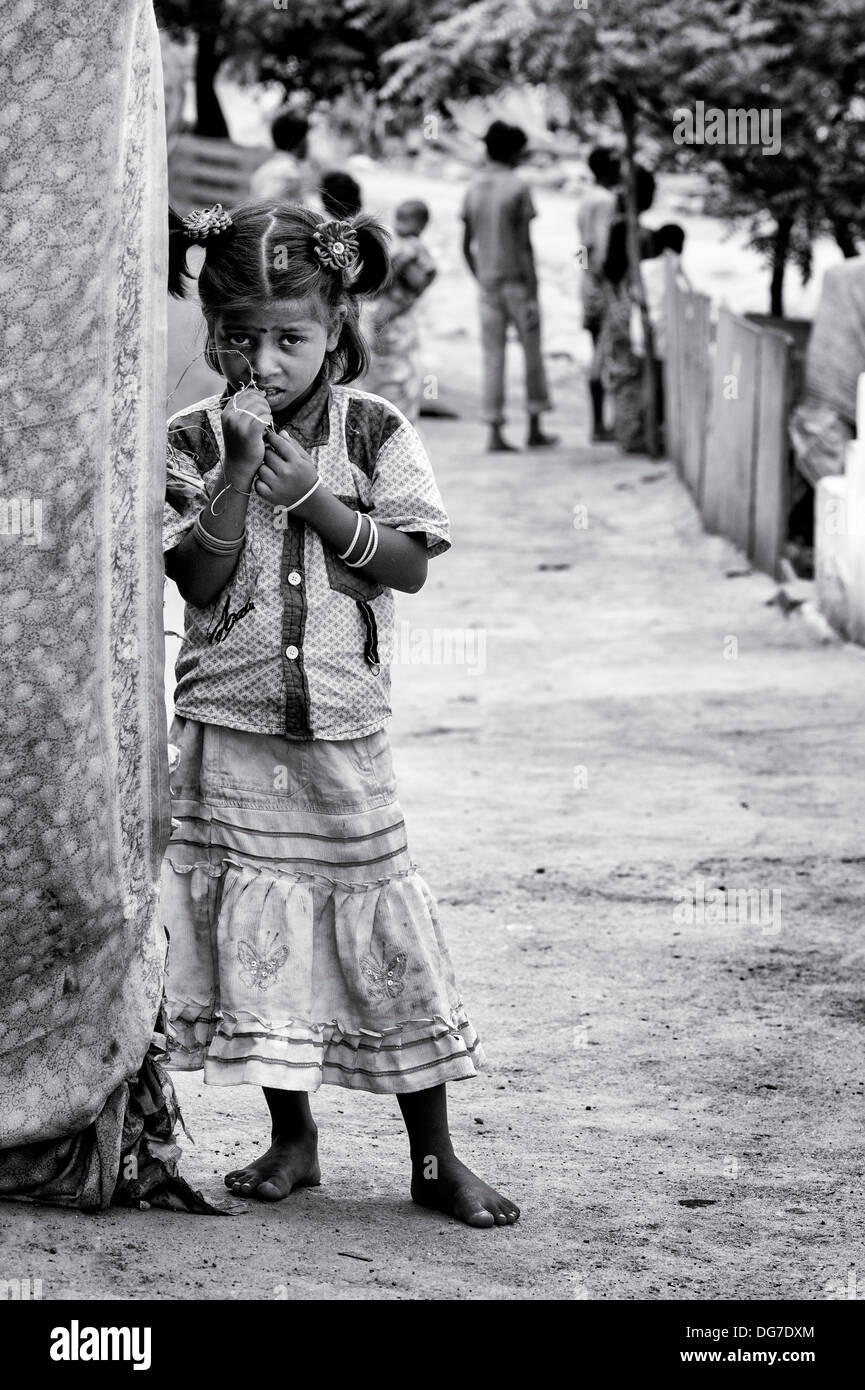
269,252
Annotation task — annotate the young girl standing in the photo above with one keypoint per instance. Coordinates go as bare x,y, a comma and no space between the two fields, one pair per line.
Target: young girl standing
305,947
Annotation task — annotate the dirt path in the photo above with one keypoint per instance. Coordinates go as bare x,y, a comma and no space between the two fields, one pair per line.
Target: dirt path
605,754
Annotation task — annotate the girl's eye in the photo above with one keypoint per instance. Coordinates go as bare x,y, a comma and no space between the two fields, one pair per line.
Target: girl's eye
292,339
238,340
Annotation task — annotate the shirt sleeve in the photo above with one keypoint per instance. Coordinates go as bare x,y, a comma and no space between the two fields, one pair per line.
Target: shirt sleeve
405,494
185,497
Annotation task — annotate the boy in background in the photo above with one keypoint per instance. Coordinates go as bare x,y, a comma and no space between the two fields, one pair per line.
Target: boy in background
497,247
287,175
340,195
667,245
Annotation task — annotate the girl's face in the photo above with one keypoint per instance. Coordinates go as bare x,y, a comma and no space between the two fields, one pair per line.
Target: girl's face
284,342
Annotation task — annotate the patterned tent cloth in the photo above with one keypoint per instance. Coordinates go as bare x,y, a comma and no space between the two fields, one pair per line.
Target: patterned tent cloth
87,1116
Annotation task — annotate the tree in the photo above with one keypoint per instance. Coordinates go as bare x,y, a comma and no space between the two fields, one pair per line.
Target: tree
806,64
636,65
211,22
322,48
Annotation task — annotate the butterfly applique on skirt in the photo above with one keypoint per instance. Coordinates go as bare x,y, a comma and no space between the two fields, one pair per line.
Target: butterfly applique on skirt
259,970
384,978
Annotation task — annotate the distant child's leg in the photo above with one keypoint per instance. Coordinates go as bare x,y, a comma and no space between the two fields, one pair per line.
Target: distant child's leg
523,309
438,1178
494,329
536,439
292,1159
600,433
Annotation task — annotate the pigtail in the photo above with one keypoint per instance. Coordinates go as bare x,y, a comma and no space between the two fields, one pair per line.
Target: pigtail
373,270
178,246
201,227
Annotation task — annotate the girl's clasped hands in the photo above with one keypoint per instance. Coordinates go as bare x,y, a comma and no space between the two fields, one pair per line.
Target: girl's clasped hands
278,468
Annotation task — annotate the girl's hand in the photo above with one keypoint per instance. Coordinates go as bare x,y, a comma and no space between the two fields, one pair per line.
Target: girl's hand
286,473
244,420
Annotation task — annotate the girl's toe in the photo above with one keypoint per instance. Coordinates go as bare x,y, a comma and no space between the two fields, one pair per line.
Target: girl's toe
270,1192
480,1217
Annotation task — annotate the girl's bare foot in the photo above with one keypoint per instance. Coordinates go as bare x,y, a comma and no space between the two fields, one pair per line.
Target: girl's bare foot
288,1163
292,1159
438,1178
448,1185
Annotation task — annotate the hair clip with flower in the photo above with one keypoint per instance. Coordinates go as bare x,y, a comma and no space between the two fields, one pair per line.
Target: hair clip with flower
335,244
206,222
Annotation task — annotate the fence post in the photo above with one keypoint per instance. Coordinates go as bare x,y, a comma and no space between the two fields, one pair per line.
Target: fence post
772,470
728,491
696,378
673,398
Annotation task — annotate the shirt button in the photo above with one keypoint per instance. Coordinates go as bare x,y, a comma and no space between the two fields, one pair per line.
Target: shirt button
294,577
292,653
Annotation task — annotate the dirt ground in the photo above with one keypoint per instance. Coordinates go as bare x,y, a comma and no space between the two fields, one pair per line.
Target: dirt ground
674,1105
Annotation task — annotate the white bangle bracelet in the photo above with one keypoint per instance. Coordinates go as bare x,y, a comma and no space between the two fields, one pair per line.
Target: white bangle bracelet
345,554
302,499
356,564
371,547
368,557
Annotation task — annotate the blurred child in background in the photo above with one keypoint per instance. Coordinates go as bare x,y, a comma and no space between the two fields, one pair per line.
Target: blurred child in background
287,176
340,194
497,246
395,367
594,219
667,244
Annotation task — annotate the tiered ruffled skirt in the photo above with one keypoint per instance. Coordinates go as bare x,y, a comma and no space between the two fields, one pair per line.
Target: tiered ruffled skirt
304,946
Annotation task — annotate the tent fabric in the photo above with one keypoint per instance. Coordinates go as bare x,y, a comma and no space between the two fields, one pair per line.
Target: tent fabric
83,767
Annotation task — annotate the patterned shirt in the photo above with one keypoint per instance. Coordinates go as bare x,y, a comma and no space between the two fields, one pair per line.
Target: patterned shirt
289,645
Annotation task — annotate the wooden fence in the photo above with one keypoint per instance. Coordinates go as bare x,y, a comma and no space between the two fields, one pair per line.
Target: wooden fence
728,388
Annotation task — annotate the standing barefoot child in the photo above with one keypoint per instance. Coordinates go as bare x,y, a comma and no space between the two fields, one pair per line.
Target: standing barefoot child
305,947
497,246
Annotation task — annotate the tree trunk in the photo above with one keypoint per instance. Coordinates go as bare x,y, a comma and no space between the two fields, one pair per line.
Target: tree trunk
632,218
780,251
845,239
209,119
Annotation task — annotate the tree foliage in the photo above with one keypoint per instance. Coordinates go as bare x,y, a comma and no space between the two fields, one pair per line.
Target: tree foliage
637,64
322,47
619,61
